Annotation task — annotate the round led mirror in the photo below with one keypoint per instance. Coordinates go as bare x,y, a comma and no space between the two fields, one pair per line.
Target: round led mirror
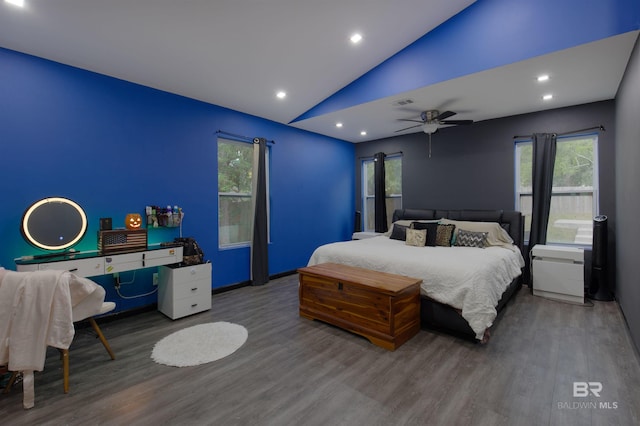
54,223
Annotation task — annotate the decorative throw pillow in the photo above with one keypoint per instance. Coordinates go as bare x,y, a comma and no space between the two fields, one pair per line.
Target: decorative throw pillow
399,232
416,237
431,228
471,239
406,223
444,235
496,235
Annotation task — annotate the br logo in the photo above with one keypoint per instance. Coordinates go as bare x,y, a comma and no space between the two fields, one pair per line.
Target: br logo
583,389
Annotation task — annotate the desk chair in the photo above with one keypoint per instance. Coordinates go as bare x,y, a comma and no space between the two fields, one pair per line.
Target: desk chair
93,305
106,307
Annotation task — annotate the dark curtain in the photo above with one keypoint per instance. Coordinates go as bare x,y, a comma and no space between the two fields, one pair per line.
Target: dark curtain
259,246
544,157
379,192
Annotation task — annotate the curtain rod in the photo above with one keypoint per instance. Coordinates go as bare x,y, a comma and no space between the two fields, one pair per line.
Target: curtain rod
600,127
371,156
241,137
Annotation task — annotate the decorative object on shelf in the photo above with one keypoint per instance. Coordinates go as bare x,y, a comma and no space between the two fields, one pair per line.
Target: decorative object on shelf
122,240
54,223
152,220
133,221
177,216
105,224
164,217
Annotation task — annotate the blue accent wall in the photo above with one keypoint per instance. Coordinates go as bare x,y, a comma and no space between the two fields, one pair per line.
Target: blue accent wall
115,147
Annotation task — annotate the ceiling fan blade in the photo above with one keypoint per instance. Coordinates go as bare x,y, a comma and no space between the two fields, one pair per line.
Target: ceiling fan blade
414,121
445,115
456,122
407,128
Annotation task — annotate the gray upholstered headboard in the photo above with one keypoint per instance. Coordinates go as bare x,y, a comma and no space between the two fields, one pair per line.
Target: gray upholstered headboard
511,220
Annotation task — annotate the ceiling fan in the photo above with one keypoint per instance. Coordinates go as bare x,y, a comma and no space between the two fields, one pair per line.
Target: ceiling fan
431,120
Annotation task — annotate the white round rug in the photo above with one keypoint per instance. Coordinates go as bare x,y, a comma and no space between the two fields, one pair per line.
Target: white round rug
199,344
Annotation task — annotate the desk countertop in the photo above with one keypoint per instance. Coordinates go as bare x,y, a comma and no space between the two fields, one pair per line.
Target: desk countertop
63,256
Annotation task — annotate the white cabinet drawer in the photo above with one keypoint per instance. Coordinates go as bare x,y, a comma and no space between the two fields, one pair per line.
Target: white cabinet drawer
556,272
189,306
165,256
201,288
122,262
558,280
191,273
81,267
147,259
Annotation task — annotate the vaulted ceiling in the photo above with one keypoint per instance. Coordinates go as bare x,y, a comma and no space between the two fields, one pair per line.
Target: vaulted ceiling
479,59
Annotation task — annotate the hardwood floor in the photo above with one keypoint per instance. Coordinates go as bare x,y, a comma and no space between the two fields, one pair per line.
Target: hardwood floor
293,371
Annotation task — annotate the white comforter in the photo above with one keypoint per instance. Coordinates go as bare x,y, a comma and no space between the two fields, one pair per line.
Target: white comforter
466,278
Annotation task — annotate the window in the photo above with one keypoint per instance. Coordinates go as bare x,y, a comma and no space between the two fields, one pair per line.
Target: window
574,200
393,189
235,208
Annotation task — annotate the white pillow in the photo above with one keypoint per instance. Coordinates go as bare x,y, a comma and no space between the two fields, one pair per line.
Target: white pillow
496,235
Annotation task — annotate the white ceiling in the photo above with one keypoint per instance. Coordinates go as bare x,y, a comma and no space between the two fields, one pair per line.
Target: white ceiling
583,74
239,53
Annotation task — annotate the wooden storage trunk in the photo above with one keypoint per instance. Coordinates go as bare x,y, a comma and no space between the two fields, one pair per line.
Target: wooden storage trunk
384,308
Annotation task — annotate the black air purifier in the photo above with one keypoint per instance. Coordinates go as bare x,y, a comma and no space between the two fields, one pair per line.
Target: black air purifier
599,288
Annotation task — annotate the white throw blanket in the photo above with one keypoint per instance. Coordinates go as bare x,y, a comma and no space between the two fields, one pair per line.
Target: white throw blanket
36,312
466,278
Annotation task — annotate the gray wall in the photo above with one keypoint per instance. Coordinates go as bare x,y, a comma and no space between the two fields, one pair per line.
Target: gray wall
472,167
628,193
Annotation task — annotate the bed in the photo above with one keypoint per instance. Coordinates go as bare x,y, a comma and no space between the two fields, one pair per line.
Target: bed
464,288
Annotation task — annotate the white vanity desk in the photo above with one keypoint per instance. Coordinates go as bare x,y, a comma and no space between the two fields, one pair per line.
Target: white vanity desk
91,264
181,291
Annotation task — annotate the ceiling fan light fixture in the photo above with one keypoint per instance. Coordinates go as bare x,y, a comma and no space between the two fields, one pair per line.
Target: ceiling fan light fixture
429,127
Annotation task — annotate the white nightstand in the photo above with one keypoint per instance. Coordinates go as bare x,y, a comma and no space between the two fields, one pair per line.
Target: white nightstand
184,291
558,272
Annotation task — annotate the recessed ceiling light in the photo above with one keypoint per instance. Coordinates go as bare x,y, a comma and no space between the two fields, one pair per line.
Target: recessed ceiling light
543,77
19,3
281,95
363,133
547,97
338,124
356,38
